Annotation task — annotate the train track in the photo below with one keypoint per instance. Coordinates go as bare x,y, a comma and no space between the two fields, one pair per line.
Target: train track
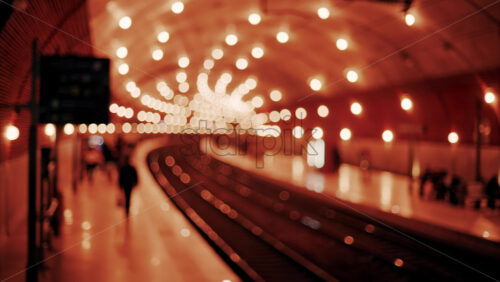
268,232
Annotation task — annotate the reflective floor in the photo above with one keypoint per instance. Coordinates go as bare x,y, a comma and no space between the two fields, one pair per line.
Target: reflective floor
155,244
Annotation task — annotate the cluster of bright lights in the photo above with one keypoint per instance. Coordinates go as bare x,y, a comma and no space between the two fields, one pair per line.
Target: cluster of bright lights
93,128
140,128
132,88
178,107
148,116
121,111
219,108
165,91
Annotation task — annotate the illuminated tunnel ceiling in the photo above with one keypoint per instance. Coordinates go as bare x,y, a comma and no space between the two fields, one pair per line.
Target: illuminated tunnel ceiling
448,37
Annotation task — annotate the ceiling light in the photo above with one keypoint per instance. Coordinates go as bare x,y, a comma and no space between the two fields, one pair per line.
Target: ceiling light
11,132
352,76
177,7
356,108
387,136
323,111
345,134
69,129
342,44
300,113
323,13
489,97
208,64
298,132
231,39
157,54
275,95
241,63
123,69
406,104
257,52
181,76
125,22
409,19
183,62
163,36
254,18
121,52
315,84
217,53
50,129
453,137
317,133
257,101
282,37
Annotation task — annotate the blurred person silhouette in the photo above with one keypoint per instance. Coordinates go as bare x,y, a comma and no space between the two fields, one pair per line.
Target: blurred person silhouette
336,159
109,160
426,176
128,180
453,190
492,191
92,158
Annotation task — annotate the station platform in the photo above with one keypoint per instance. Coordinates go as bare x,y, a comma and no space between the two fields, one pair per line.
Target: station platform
98,242
384,191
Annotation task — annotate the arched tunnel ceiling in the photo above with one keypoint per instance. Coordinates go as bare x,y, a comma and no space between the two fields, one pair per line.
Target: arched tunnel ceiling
449,37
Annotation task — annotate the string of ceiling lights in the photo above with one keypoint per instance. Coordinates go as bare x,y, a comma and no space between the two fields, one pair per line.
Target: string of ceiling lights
212,104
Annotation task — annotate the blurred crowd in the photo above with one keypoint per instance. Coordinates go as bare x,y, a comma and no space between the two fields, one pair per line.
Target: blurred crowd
441,186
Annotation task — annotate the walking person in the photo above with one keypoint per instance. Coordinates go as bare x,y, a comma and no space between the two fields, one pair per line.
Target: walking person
93,158
128,180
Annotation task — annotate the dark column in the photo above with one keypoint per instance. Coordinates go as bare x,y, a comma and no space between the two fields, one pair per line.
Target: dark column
31,272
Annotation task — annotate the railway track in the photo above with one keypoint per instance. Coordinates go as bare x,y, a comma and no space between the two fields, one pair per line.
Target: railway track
268,232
